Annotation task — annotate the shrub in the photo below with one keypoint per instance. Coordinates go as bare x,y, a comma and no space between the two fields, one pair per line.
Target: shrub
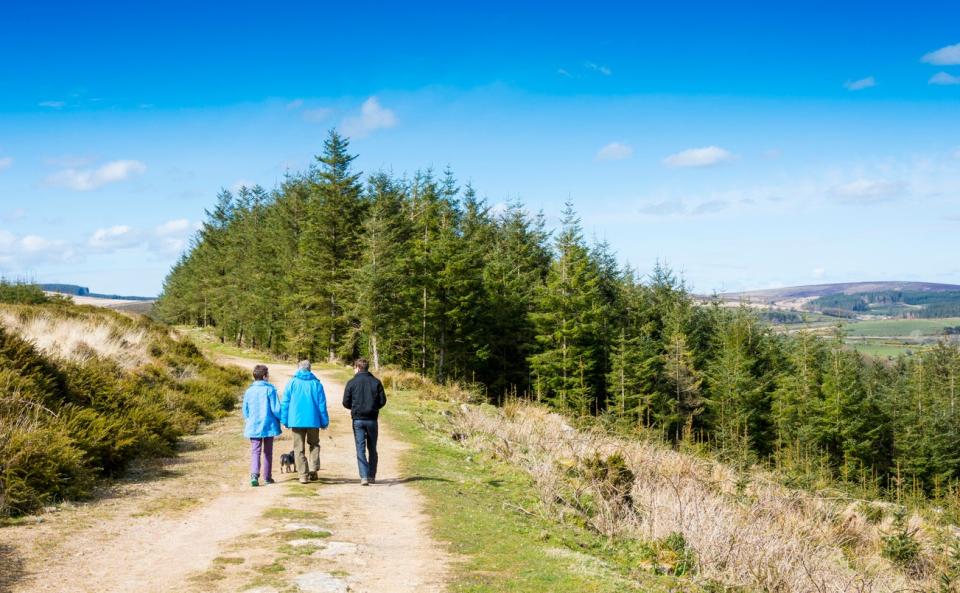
40,466
70,415
901,546
673,556
29,294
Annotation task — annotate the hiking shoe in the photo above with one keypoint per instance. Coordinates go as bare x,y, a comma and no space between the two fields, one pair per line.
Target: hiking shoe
254,482
269,481
312,476
364,482
304,481
372,480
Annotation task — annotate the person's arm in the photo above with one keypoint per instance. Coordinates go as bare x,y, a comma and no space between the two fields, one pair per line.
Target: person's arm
381,395
273,402
285,406
348,395
322,406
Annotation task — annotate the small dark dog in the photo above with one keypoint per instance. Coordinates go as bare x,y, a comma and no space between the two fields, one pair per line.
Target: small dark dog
288,463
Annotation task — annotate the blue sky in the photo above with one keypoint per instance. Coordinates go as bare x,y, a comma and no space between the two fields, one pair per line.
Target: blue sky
746,144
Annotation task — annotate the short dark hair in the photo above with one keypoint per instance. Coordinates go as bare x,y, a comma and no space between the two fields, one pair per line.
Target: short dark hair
260,372
362,364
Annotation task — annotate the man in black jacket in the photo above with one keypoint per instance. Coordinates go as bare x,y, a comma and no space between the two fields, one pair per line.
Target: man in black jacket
364,396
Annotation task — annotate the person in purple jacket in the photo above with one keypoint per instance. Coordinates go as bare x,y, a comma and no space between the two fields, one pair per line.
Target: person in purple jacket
261,410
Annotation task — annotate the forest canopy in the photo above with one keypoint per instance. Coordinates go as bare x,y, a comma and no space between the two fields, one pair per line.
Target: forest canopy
423,274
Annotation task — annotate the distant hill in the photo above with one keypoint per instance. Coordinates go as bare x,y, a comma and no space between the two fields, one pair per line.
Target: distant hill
818,290
83,291
859,299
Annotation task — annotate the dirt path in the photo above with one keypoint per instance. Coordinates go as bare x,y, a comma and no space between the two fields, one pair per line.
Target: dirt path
197,525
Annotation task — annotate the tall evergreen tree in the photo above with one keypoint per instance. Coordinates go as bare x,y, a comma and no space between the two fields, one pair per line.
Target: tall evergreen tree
567,321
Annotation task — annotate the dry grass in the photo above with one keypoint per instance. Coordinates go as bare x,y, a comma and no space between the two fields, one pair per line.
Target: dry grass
745,529
400,380
77,338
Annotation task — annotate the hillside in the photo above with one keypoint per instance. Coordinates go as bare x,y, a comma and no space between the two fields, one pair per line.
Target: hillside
86,391
772,296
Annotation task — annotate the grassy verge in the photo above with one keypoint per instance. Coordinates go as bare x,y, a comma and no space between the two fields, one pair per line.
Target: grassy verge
486,510
208,341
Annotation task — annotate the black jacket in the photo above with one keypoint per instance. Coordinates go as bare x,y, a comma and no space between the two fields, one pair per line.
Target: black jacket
364,396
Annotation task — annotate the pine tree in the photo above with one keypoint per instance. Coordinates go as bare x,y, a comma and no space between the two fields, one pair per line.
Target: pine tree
516,265
566,318
683,380
329,248
383,291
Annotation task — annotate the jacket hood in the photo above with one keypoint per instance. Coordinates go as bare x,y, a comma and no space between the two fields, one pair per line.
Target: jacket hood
305,374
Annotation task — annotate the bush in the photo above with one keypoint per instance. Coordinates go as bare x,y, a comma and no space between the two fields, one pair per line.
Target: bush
901,546
28,294
38,467
63,423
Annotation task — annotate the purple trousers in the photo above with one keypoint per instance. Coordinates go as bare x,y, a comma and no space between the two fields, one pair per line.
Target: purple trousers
264,446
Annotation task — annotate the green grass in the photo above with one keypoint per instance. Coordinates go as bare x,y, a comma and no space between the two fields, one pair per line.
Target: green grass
205,338
884,349
486,510
293,514
900,327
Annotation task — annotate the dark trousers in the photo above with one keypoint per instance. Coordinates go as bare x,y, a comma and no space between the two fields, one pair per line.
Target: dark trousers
365,435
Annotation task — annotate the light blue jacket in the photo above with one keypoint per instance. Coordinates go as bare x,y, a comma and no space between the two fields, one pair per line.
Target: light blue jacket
304,402
261,409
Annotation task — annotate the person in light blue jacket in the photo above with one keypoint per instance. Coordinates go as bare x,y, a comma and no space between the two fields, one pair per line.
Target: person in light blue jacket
261,410
304,411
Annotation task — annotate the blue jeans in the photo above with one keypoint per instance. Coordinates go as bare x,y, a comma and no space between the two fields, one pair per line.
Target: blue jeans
365,435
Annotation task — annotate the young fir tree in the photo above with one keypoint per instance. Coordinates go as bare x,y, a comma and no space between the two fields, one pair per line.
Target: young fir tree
330,247
735,404
684,399
566,318
516,264
385,299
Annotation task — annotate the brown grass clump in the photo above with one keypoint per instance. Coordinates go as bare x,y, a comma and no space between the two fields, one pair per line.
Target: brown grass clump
743,529
79,338
400,380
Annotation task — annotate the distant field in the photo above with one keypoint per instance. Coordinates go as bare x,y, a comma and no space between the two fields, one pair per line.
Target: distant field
884,349
905,328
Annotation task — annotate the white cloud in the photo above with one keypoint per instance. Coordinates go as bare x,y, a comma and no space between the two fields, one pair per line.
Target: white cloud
5,162
859,85
295,104
116,237
615,151
373,116
35,243
599,68
52,104
317,115
818,272
944,78
564,73
174,227
90,179
707,156
869,190
945,56
18,252
173,236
